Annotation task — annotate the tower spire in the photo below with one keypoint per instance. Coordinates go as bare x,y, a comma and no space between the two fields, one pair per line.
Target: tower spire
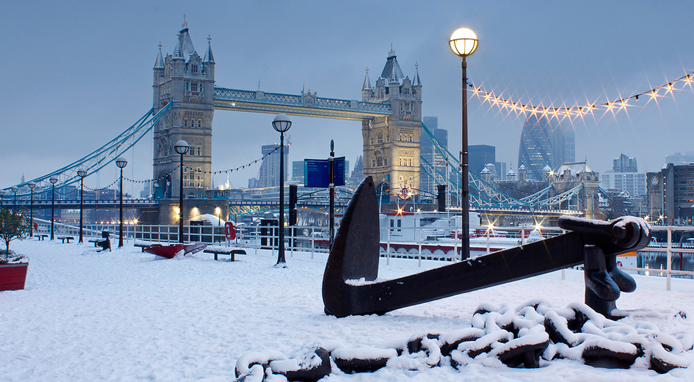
209,57
159,63
417,81
367,82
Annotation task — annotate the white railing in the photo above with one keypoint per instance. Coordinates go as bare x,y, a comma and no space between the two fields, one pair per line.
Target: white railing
421,243
444,244
668,248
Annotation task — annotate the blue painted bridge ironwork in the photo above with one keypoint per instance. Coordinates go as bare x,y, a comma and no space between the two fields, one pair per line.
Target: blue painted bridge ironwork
43,204
305,104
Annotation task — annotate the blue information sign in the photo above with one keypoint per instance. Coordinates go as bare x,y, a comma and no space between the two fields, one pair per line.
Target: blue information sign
317,172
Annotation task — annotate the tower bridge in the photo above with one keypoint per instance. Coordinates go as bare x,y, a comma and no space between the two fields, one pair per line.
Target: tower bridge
390,113
185,99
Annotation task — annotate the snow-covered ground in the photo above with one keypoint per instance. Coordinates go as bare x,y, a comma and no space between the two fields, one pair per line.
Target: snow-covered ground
129,316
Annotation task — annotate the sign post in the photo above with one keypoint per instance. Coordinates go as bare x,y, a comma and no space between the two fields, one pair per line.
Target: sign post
332,192
326,173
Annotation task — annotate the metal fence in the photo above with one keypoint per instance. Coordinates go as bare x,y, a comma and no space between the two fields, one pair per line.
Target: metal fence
670,253
670,245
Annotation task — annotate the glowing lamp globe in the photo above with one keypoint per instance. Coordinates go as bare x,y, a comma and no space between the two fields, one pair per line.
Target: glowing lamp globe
281,123
463,42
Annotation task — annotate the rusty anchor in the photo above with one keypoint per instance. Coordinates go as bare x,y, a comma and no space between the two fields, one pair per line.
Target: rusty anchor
355,255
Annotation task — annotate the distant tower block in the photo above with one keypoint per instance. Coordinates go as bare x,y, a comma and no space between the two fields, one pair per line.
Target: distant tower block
545,142
391,144
188,80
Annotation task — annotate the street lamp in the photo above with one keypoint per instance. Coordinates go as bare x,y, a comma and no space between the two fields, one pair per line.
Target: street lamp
53,180
31,208
181,148
463,42
82,173
281,123
121,162
15,189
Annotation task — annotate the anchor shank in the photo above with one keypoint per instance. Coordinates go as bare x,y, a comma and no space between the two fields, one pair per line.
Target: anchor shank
494,269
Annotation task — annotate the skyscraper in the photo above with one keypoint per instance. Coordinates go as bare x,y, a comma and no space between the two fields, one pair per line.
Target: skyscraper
480,156
270,168
544,142
624,177
624,164
432,155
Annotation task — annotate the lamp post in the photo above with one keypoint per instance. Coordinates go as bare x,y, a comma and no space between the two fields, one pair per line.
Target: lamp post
281,123
121,162
82,173
31,208
53,180
15,189
463,42
181,148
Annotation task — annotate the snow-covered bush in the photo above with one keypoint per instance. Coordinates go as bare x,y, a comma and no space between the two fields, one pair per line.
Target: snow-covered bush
13,225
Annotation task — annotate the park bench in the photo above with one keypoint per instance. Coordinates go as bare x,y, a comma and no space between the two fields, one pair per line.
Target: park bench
68,238
104,242
230,251
42,236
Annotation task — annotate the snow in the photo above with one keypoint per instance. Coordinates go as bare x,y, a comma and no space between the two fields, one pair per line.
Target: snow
131,316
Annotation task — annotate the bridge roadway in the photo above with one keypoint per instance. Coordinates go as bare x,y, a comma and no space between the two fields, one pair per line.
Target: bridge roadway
307,105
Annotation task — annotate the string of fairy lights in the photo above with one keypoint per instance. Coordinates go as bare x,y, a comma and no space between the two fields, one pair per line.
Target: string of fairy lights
576,111
163,176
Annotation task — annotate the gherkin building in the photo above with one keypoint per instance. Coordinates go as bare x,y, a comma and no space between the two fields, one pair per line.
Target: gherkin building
545,142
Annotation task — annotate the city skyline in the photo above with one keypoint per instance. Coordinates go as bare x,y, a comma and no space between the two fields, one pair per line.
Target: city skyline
80,73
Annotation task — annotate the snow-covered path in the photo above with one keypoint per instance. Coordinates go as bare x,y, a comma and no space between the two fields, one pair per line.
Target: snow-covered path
128,316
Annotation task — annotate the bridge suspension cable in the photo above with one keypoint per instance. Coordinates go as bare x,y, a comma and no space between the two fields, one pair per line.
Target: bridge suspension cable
485,195
106,154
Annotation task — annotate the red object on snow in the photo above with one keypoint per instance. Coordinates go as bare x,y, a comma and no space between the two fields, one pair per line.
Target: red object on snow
170,251
230,230
13,276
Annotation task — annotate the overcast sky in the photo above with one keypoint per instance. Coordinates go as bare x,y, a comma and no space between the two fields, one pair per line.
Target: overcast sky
77,73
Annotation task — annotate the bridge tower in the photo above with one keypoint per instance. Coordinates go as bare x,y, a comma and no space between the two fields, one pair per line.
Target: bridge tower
570,175
187,80
391,143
